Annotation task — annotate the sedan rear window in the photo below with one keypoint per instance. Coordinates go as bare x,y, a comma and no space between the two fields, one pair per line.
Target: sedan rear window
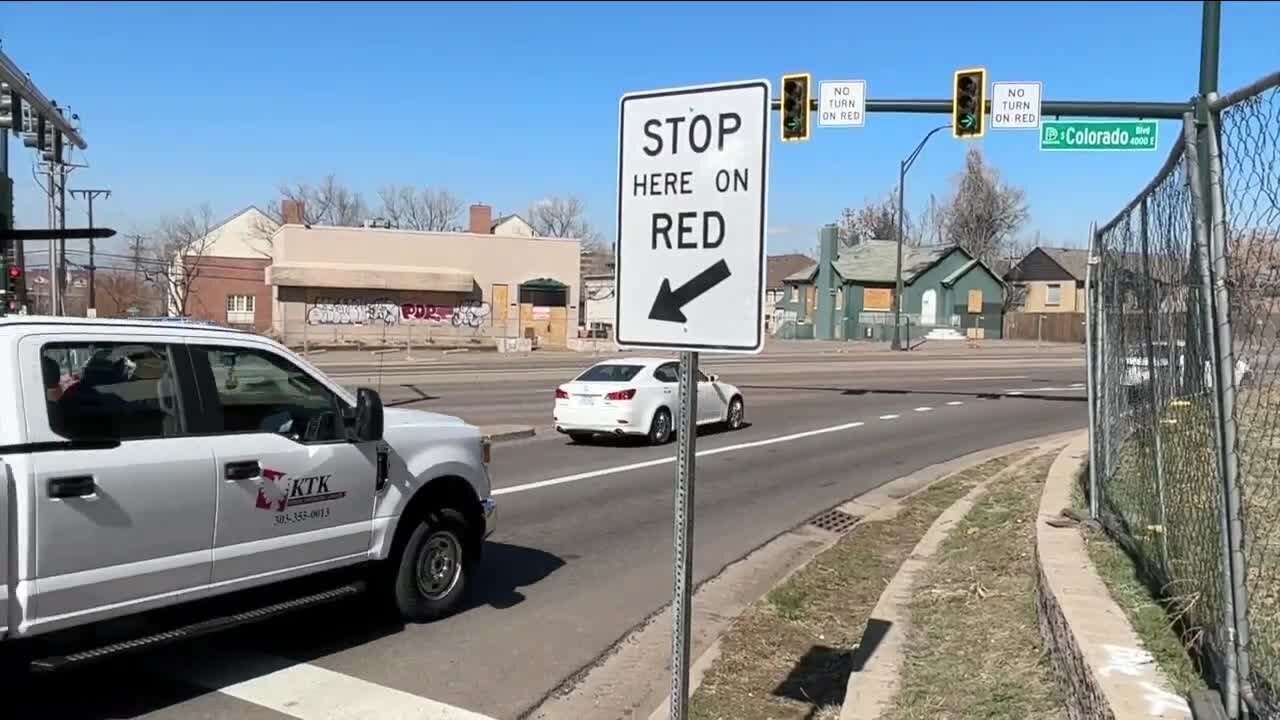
609,373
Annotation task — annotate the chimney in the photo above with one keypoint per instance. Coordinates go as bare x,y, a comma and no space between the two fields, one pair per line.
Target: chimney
481,219
291,212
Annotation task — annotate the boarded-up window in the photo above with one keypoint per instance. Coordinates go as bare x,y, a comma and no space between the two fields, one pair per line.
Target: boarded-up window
877,299
975,301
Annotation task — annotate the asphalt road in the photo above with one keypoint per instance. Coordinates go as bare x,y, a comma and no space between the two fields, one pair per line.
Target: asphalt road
583,550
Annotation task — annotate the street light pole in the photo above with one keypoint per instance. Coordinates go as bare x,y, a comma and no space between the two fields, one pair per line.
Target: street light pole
903,167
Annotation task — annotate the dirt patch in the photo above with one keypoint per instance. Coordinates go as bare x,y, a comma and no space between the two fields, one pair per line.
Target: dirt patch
973,644
789,656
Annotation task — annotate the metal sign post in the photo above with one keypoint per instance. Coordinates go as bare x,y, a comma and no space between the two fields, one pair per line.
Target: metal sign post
692,199
686,439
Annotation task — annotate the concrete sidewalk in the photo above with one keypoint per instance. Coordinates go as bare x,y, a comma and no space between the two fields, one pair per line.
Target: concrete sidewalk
426,357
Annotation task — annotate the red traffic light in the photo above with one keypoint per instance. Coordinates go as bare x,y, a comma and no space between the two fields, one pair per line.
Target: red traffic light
15,271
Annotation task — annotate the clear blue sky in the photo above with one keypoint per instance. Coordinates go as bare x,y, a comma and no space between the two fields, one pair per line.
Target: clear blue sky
507,103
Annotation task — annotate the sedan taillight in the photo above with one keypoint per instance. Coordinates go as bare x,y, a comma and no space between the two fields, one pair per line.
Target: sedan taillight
561,394
621,394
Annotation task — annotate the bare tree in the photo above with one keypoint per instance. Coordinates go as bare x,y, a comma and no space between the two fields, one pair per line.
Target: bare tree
933,223
328,202
984,214
565,218
875,220
178,252
425,209
119,291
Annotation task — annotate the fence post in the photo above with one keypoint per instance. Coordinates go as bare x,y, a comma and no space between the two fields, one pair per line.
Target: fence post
1200,227
1226,385
1156,407
1091,372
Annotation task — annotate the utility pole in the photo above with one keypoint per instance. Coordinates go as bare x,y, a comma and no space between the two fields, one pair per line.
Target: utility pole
90,195
135,252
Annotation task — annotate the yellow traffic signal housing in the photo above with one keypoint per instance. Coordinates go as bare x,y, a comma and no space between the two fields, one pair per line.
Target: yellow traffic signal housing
796,97
968,104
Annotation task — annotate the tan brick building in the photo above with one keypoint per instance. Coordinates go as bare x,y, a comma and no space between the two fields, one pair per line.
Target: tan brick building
385,285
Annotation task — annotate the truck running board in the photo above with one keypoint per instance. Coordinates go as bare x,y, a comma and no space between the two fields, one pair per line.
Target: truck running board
204,627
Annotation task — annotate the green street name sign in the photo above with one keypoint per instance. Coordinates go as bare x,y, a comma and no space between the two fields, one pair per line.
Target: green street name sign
1098,135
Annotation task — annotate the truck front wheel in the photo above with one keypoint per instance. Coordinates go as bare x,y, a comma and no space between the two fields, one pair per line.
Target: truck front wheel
433,569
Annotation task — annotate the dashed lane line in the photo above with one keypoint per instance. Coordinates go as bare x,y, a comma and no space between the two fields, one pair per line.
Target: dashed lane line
954,403
310,692
923,408
889,417
671,458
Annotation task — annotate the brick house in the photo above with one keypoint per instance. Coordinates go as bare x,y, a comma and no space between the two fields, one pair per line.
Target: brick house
228,284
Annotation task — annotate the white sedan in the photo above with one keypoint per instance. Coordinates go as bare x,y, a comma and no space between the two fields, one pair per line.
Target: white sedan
639,396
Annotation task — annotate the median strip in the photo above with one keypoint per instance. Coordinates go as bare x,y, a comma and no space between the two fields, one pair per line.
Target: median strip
789,656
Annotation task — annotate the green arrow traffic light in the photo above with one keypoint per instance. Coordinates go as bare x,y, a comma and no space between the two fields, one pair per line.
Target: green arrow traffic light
968,103
795,107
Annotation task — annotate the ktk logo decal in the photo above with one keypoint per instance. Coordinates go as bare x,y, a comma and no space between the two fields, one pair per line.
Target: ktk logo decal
278,491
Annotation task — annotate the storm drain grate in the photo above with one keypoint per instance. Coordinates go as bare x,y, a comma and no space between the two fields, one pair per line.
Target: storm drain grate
836,521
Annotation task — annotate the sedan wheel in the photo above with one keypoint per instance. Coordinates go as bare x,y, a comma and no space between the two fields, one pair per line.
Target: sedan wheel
736,414
660,428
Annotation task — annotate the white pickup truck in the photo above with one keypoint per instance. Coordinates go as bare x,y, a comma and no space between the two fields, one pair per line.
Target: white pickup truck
151,466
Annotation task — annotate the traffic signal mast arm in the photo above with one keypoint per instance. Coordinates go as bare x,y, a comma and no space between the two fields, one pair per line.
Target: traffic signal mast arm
1049,108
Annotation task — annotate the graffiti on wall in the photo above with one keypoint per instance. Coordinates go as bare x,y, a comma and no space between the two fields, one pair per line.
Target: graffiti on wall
385,311
353,311
468,313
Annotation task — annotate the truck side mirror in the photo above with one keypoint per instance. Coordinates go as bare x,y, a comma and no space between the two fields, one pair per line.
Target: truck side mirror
368,416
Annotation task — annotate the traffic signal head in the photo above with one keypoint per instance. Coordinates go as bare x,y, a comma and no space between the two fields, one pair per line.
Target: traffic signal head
795,107
13,282
968,103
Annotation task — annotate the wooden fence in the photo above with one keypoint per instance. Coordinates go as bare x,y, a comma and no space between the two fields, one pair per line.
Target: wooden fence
1045,327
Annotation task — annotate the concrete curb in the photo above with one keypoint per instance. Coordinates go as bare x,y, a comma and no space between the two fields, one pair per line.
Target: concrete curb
507,433
801,544
1099,666
870,692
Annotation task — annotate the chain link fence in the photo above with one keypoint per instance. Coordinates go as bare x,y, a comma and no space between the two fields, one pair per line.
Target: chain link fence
1184,363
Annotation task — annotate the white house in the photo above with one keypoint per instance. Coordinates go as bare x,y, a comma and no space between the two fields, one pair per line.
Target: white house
511,225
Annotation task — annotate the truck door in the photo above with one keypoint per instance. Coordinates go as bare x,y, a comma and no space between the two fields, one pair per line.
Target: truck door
124,493
6,581
294,495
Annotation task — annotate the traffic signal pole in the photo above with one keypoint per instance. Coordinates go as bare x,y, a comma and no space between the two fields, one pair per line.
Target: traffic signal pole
1049,108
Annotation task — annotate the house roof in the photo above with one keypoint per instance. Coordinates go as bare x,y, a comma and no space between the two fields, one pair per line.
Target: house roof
876,261
778,268
1074,260
959,272
503,218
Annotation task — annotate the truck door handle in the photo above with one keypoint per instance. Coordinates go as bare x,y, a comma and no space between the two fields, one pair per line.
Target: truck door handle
73,486
247,470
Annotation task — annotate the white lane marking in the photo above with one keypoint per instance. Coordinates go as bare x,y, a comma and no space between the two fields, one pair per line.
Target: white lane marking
888,417
1044,389
990,377
923,408
1015,392
671,458
310,692
956,402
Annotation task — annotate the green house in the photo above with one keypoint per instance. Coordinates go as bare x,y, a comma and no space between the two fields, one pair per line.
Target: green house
850,296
